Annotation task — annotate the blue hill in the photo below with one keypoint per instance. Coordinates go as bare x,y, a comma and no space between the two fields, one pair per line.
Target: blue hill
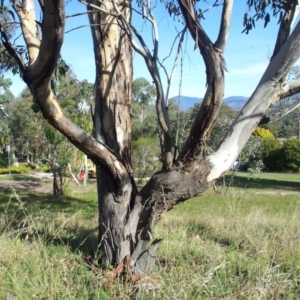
235,102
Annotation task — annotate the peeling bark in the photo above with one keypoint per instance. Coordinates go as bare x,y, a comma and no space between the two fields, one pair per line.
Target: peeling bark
26,12
112,116
212,54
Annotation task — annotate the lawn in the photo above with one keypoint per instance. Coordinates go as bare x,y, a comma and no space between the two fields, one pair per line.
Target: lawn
242,244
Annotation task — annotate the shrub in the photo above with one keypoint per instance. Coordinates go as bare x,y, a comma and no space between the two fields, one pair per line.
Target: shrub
263,133
270,154
286,157
274,161
15,170
291,155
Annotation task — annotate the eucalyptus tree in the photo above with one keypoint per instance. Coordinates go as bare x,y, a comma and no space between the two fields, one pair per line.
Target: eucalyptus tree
127,216
26,129
144,122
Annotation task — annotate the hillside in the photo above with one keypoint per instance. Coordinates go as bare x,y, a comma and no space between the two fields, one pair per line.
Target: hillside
235,102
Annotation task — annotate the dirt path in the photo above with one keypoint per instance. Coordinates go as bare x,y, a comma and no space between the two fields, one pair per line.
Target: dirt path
41,186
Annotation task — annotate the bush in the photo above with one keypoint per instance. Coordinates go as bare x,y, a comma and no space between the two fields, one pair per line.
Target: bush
286,157
268,146
274,161
263,133
270,154
15,170
291,155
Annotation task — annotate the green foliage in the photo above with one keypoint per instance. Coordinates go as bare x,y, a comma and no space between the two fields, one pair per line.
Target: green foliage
5,94
143,91
22,169
255,167
224,120
26,130
262,10
281,157
145,156
7,22
52,135
144,122
291,155
263,133
75,97
268,146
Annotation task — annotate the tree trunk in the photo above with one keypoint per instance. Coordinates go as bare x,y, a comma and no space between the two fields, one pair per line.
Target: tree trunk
58,189
112,121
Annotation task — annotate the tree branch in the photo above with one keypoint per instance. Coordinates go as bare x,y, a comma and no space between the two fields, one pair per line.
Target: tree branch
38,76
175,64
285,26
26,13
195,145
275,116
289,89
270,89
152,65
12,51
225,25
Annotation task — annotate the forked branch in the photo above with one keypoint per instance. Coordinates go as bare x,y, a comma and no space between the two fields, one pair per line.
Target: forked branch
212,54
275,116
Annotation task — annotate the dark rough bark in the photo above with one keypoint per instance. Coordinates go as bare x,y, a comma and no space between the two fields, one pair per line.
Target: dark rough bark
215,66
164,190
127,231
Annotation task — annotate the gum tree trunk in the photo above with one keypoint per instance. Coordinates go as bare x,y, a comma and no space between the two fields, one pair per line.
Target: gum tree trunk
112,121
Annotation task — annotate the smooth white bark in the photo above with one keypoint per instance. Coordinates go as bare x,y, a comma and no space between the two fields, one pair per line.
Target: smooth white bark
268,92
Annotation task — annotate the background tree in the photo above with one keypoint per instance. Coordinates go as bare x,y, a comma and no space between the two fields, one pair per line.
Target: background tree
26,128
5,94
145,157
221,126
144,123
128,216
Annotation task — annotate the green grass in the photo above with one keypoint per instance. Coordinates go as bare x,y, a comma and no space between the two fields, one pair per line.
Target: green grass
232,247
77,199
243,244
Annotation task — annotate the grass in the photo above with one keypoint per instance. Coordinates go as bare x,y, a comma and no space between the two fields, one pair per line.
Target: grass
244,244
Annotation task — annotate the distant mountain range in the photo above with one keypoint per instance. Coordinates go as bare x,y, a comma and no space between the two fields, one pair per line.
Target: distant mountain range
235,102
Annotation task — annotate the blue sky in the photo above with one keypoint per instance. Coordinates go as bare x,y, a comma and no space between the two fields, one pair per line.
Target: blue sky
246,55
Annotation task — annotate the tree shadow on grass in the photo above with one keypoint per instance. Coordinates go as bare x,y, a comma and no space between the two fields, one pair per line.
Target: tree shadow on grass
23,177
36,201
18,207
257,183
